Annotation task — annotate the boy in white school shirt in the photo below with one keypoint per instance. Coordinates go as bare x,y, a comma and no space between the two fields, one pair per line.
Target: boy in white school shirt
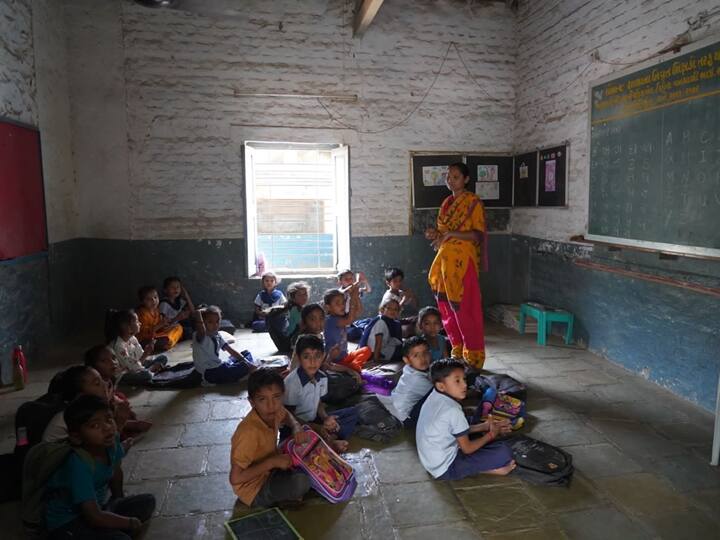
443,443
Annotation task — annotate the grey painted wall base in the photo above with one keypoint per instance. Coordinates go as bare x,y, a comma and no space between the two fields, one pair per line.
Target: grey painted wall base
668,335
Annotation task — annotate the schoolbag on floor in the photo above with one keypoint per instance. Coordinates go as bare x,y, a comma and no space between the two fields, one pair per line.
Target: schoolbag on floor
541,463
340,387
179,376
330,475
41,462
503,384
375,422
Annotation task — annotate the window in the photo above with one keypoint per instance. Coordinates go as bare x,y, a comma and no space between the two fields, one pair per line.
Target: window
297,208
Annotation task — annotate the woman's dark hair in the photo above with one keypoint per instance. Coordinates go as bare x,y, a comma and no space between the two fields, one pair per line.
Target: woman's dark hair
410,343
93,355
81,409
460,166
170,279
260,378
444,367
392,273
309,341
70,381
308,309
115,320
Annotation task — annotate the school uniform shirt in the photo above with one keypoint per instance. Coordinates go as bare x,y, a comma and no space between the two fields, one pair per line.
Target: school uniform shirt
411,388
208,353
389,343
441,351
128,353
335,335
56,430
304,393
441,421
171,309
79,479
252,442
265,299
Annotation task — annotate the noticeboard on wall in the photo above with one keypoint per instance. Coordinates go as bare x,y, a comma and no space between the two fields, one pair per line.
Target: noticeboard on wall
23,230
525,180
490,178
552,176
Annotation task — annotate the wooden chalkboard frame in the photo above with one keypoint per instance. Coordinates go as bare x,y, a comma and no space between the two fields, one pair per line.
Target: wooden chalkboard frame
660,247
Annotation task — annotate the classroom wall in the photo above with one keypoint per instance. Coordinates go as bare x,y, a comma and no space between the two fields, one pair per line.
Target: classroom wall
664,333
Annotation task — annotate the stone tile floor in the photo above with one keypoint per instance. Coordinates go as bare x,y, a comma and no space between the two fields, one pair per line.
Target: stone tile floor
641,459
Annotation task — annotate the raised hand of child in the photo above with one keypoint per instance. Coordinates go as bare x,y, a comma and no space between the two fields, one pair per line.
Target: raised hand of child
333,352
281,461
330,423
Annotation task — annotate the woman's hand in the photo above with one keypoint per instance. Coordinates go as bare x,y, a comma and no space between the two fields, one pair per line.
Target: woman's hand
440,239
431,234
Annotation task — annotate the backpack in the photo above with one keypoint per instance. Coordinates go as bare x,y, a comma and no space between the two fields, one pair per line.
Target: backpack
330,475
356,329
179,376
503,384
375,422
34,416
340,387
40,463
541,463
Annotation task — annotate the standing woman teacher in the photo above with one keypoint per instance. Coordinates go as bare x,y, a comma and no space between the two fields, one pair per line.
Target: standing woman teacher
460,244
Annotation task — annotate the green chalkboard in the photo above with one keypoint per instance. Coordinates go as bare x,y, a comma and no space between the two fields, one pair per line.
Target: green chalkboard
655,155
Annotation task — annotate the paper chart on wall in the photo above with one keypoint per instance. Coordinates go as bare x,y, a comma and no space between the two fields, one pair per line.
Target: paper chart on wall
488,190
434,175
523,171
487,173
550,176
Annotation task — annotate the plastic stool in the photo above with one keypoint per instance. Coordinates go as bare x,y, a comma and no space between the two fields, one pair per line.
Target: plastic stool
545,317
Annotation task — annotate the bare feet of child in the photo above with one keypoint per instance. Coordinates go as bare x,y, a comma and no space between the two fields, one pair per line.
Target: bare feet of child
502,471
339,446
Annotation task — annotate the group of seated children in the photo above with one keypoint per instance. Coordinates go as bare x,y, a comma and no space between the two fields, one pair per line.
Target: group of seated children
427,398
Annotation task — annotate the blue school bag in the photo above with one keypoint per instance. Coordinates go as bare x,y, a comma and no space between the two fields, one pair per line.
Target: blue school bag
394,327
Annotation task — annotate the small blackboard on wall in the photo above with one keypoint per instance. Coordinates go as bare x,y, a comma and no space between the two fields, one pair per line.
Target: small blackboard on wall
428,178
492,177
552,176
525,180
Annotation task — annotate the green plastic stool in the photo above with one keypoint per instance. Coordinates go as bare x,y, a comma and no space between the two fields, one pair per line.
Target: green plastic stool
545,317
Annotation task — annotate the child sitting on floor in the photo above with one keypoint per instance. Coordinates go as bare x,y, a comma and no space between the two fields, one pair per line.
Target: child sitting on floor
336,323
414,386
394,278
269,299
207,345
102,359
73,382
153,324
284,324
259,474
137,364
176,305
304,388
442,434
78,505
384,334
429,325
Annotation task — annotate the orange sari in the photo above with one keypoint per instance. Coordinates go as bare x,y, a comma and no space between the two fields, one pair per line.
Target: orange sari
453,276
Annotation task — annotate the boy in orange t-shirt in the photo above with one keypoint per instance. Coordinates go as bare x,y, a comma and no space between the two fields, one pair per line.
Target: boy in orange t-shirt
259,474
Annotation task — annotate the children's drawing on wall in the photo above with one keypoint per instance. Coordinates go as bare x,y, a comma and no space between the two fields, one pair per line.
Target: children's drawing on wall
434,175
487,173
523,171
550,176
488,190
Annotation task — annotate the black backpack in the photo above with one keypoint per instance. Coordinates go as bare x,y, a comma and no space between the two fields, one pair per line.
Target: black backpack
375,422
340,387
179,376
541,463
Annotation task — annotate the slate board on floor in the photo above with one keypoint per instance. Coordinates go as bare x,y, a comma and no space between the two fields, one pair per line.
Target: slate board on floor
269,524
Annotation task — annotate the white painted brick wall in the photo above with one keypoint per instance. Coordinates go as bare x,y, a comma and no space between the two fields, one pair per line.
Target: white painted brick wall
555,42
186,127
17,77
53,105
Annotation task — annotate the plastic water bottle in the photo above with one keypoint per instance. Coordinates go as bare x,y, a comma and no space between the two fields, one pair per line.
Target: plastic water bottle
19,368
